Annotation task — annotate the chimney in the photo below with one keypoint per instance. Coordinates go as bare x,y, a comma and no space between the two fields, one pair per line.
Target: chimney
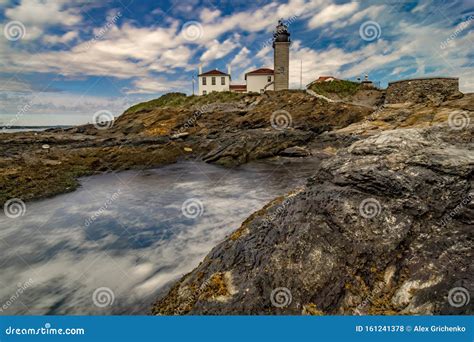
200,69
228,69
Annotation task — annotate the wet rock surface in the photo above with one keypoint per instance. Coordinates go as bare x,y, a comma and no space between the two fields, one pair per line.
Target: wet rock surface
240,147
373,232
295,151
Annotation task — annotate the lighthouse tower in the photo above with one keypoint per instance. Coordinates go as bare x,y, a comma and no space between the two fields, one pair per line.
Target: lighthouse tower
281,56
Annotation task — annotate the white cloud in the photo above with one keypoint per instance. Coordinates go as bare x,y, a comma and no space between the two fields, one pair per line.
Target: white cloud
399,70
265,55
15,85
45,12
172,58
150,86
36,15
242,58
371,13
263,18
123,52
327,62
65,38
332,13
208,15
421,7
61,102
217,50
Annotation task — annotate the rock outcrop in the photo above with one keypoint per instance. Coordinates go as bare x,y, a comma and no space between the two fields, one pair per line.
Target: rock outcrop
241,147
383,227
223,128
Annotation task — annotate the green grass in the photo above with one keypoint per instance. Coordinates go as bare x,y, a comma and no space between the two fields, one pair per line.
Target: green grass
340,87
167,100
181,100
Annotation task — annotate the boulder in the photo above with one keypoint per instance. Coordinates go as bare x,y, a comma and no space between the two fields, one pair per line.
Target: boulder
383,227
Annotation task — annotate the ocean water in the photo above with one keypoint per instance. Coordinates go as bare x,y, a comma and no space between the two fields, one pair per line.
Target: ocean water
118,241
15,130
28,129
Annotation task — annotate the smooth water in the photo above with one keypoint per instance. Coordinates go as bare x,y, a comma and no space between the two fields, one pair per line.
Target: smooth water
17,130
125,236
29,129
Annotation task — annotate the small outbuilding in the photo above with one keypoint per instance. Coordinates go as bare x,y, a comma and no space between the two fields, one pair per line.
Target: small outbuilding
238,88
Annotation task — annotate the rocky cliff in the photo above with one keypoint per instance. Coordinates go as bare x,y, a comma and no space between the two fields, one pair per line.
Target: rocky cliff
383,227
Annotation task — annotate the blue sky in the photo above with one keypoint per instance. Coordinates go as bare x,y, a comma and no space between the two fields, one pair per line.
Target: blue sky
62,61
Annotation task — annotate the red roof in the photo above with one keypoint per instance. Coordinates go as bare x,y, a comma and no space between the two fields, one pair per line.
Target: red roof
238,87
261,71
324,78
213,73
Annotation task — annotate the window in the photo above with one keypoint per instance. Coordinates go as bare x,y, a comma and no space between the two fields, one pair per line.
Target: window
204,81
222,80
213,80
204,92
269,79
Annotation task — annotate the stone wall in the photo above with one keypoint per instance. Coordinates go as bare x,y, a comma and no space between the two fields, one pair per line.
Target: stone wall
420,90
